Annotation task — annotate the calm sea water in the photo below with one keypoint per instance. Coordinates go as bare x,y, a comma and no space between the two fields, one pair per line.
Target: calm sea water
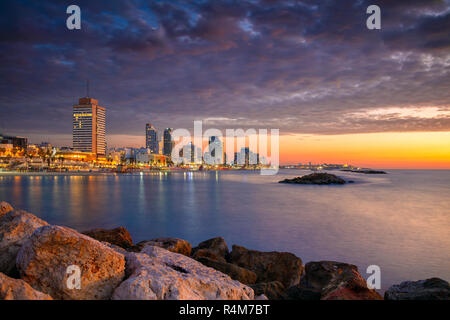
399,221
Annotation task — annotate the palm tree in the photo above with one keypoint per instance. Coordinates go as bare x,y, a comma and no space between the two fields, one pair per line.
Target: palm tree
28,157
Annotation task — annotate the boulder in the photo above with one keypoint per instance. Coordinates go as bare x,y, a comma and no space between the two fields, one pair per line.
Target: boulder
269,266
115,248
118,236
16,289
235,272
335,281
15,228
172,244
158,274
273,290
299,292
5,207
44,259
429,289
215,249
315,178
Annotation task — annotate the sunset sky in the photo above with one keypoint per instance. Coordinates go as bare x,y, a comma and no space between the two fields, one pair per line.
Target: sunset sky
338,92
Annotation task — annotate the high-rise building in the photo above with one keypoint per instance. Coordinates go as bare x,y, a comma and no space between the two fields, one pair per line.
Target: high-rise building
215,151
246,157
189,152
151,138
168,143
245,153
89,126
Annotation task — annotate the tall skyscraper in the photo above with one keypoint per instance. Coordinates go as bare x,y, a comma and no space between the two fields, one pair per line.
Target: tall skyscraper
151,139
89,126
168,143
215,152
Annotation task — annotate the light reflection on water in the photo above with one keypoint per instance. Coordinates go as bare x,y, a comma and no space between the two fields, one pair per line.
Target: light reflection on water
399,221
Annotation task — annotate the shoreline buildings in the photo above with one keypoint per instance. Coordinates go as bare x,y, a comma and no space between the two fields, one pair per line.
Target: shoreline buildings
89,127
13,142
89,151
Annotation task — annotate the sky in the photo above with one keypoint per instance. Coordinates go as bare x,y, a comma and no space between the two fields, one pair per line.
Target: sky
337,91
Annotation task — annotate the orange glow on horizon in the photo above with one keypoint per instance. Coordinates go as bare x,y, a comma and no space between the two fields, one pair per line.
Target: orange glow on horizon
391,150
402,150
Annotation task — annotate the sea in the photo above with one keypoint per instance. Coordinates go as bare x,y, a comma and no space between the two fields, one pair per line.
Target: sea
399,221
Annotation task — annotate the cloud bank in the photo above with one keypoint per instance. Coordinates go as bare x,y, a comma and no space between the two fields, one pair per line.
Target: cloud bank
308,67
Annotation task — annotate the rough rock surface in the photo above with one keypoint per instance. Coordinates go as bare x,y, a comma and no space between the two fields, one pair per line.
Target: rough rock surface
215,249
429,289
16,289
316,178
115,248
302,293
158,274
117,236
43,261
269,266
235,272
172,244
15,228
5,207
336,281
272,290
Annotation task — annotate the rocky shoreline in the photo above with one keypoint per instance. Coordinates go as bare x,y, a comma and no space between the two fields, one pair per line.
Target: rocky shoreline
36,260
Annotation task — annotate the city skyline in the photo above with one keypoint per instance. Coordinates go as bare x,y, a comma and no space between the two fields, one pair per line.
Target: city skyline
338,92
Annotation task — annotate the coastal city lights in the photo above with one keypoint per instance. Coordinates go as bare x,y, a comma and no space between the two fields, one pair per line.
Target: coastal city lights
89,151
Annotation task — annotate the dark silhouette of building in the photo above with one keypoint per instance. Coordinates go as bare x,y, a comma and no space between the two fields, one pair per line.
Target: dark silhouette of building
151,138
168,143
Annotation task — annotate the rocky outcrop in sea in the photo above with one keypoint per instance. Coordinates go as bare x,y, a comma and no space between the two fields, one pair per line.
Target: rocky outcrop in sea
35,257
315,178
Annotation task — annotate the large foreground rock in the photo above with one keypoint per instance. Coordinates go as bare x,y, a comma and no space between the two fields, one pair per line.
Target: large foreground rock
43,261
269,266
5,207
16,289
118,236
15,228
158,274
235,272
315,178
172,244
215,249
430,289
336,281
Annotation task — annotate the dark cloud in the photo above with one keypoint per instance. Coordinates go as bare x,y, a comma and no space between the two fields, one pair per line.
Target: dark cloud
301,66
